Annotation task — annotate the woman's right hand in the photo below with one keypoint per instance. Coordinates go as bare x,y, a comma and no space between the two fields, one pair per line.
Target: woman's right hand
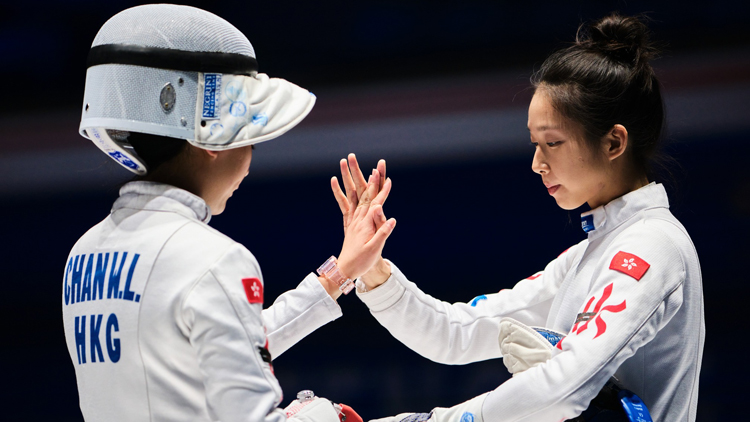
357,192
356,187
366,230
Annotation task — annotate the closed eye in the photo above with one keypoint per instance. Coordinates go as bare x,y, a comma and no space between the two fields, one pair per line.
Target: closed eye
549,144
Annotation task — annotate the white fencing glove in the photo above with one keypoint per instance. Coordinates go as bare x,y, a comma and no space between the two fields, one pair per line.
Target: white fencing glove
468,411
524,347
309,408
315,410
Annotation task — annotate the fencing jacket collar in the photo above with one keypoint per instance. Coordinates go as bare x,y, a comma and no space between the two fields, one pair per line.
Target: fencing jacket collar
155,196
601,220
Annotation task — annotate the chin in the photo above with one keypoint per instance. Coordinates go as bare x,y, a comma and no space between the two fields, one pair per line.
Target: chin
219,209
567,205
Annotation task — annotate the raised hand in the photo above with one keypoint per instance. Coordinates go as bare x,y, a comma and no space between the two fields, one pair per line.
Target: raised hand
357,193
356,186
366,228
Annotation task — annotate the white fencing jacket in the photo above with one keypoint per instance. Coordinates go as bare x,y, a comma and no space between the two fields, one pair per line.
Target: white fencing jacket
635,287
163,316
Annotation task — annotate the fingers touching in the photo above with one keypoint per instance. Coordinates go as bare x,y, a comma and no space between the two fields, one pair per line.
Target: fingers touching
349,186
381,170
384,228
359,195
370,192
383,194
365,225
358,178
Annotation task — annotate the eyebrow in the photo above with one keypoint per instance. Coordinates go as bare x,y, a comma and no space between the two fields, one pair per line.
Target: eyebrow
543,128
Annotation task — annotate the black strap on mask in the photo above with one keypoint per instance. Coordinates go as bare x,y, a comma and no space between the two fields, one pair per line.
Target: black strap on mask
167,58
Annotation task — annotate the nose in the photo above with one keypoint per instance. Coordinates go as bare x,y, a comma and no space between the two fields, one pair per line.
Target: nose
538,163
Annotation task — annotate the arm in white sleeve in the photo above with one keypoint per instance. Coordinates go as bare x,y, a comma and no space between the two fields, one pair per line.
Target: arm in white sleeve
227,334
461,332
468,411
297,313
628,313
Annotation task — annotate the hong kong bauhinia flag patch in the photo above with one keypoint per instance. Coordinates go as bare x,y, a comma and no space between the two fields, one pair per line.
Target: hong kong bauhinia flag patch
629,264
253,289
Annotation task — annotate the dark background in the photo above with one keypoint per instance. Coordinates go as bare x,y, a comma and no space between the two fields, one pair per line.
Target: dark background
467,225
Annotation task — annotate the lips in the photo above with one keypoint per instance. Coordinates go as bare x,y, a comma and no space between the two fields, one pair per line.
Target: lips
552,189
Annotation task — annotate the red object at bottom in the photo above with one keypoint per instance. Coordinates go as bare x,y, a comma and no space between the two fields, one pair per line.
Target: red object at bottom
348,414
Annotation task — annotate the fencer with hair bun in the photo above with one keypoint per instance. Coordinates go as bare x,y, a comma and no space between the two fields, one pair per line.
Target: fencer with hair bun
611,329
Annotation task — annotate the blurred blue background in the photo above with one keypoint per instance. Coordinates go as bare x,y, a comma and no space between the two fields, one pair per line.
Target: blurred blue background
439,89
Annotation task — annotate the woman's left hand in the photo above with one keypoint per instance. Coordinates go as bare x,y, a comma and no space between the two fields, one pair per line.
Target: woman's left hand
366,227
356,186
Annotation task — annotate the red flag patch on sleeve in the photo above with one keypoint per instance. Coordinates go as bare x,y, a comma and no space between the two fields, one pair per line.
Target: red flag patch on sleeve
253,289
629,264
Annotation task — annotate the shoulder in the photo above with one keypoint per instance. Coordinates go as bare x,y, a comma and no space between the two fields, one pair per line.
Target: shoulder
658,239
210,241
658,229
202,235
197,250
216,266
93,234
655,225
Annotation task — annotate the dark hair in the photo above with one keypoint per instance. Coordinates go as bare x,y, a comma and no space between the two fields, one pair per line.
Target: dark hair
604,79
155,150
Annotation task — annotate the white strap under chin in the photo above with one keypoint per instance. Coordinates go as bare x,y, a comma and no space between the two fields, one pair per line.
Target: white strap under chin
234,110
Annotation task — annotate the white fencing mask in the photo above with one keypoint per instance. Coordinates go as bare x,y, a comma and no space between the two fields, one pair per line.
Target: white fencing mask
181,72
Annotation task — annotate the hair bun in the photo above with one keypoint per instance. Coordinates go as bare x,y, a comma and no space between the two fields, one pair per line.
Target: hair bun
623,38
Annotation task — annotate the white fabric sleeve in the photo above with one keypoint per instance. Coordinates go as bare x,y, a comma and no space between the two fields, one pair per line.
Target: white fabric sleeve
629,313
226,332
297,313
468,411
460,333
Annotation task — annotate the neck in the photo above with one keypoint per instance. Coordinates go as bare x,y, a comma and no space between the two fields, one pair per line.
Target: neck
617,188
176,172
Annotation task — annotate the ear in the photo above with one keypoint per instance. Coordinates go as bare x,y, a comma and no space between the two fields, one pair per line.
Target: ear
201,153
210,154
615,142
